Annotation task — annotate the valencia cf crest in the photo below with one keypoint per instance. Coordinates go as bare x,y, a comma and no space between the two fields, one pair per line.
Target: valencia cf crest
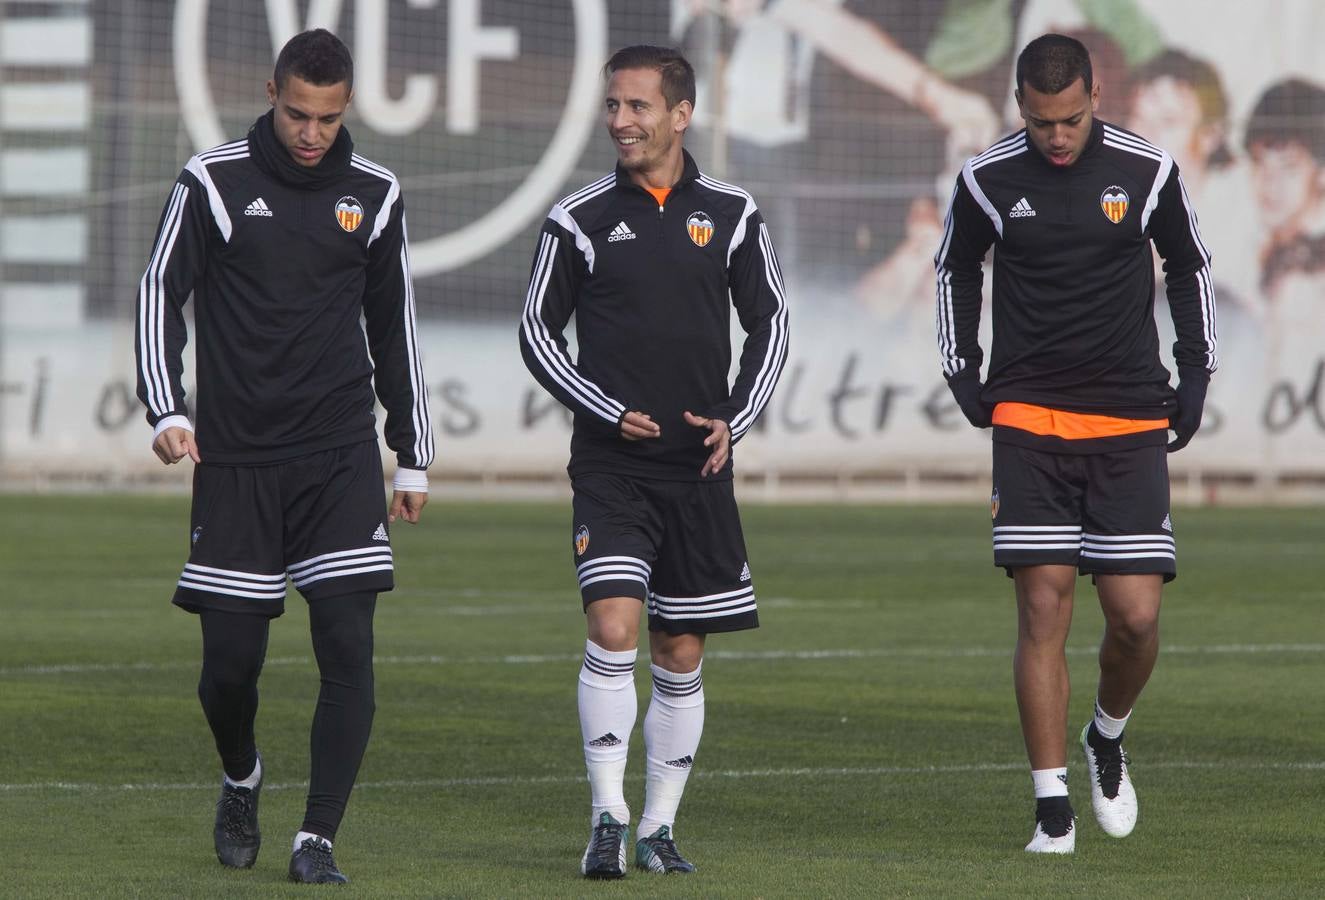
1114,202
700,228
349,213
581,540
993,505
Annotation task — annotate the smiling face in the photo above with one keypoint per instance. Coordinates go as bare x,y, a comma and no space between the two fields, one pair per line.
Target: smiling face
308,117
647,135
1059,124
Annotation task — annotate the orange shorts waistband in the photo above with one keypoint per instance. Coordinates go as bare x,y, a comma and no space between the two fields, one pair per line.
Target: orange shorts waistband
1069,425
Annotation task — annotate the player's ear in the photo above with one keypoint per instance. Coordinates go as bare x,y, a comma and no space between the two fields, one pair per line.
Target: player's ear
271,92
681,114
1095,97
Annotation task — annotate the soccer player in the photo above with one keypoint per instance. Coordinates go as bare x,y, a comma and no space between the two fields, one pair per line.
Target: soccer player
650,259
1079,402
286,238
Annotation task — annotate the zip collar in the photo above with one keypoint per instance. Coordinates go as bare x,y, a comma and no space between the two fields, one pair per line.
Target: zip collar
689,172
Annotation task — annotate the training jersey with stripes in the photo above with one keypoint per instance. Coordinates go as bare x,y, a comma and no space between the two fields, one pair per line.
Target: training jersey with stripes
282,262
652,288
1073,277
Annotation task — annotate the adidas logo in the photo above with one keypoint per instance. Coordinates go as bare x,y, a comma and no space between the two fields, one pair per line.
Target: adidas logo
1021,210
380,534
684,762
745,572
1062,778
1167,524
622,232
608,740
258,208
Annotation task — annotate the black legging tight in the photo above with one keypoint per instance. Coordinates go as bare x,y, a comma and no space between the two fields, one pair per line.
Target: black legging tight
234,646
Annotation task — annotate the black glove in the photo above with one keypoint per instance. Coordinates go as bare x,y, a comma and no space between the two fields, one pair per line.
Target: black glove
966,388
1186,419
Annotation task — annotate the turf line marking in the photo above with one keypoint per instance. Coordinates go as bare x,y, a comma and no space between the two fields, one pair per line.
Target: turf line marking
733,655
722,774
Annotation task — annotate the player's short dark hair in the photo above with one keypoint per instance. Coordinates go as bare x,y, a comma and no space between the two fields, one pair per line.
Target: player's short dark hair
1289,112
678,76
318,57
1052,63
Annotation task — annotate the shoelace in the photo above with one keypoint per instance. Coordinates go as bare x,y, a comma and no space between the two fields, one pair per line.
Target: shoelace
1109,769
1055,825
236,810
665,850
607,839
318,855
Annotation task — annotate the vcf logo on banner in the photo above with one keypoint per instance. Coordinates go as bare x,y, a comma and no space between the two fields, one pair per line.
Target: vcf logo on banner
468,44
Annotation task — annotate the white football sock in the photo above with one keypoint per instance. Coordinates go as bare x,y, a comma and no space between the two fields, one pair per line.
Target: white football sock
607,716
305,835
1107,725
251,781
1049,782
672,728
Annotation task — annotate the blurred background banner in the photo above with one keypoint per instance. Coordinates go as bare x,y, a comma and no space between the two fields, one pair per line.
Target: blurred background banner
847,121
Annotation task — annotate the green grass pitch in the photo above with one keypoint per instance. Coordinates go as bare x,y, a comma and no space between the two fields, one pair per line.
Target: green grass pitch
862,743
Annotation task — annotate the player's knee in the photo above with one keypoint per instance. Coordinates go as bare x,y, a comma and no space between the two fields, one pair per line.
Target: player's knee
228,681
1134,629
1044,615
613,624
615,636
676,653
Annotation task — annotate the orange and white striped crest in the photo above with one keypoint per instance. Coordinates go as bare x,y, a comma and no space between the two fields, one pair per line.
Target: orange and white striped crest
349,213
1114,201
581,540
700,228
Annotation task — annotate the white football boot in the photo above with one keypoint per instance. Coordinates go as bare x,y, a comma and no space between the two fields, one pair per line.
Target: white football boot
1111,793
1057,835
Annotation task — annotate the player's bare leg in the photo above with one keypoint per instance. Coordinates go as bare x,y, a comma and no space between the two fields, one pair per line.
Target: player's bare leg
672,729
608,708
1127,657
1131,638
1044,616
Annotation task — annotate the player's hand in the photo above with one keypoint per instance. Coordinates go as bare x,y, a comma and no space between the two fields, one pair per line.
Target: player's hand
638,426
1186,421
407,505
967,393
720,441
174,444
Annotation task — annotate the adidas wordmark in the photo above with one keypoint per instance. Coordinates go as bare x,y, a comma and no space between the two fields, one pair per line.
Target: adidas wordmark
1021,210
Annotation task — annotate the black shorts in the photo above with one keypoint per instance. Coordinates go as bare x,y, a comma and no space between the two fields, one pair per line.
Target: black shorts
675,545
1105,513
320,519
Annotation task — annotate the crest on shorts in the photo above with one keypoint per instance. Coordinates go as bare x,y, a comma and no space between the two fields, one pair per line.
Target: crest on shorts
197,533
349,213
1114,202
993,504
700,228
581,540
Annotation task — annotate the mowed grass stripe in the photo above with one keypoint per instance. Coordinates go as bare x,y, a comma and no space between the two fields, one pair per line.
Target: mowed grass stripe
732,655
802,772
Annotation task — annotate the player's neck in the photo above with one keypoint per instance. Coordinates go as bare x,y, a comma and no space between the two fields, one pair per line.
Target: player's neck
664,175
